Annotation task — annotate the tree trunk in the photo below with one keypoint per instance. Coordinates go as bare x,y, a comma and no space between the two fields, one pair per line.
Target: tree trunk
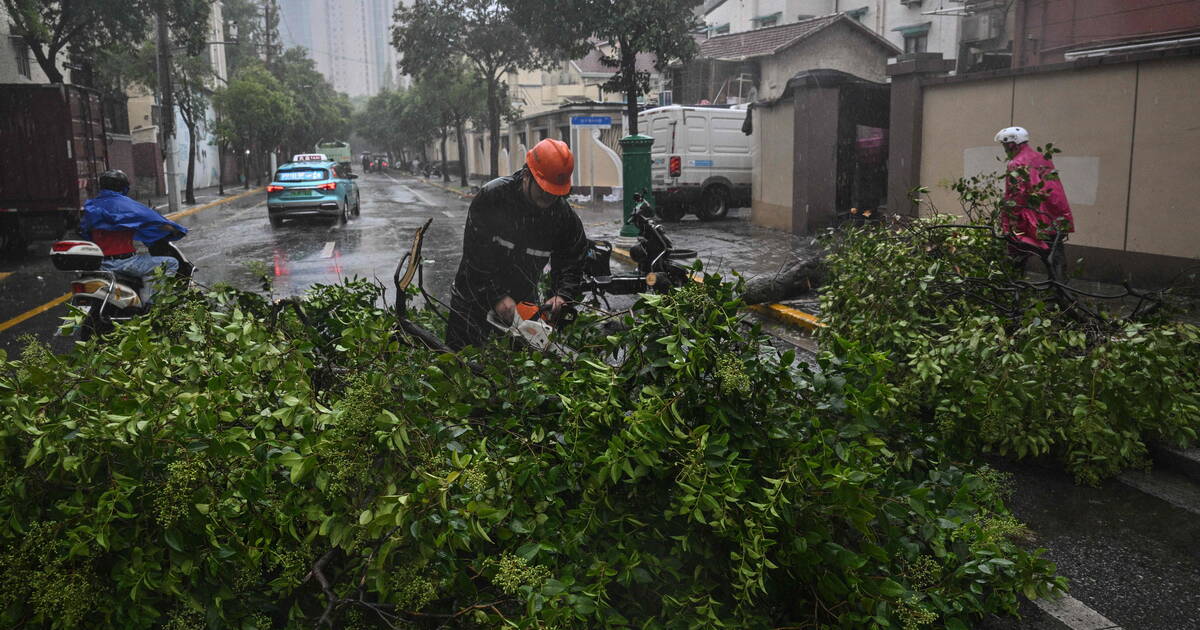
494,125
462,150
629,77
46,62
445,172
804,275
190,191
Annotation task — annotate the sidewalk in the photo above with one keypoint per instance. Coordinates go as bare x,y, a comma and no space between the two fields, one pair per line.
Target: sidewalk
203,196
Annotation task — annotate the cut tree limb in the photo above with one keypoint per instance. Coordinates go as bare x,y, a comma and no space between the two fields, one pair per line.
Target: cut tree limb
801,276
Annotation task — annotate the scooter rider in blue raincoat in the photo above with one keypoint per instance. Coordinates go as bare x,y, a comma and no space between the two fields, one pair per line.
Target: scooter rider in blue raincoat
113,221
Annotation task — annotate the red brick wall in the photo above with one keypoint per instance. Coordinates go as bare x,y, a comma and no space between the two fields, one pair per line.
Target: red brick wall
1046,29
120,154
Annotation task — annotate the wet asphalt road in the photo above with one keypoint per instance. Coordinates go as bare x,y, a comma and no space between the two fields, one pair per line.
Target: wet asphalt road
224,240
1133,558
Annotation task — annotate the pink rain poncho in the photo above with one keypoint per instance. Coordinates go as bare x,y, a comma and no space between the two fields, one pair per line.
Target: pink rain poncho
1025,220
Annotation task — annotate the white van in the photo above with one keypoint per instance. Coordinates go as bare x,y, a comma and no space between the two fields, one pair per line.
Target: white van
700,160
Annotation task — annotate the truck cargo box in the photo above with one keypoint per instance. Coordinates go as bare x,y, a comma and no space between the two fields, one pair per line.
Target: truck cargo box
52,149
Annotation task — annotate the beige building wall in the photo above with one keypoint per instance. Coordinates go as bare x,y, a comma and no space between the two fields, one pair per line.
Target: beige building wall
773,160
1165,182
1128,136
956,141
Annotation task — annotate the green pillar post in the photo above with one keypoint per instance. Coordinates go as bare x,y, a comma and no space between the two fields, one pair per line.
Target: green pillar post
635,173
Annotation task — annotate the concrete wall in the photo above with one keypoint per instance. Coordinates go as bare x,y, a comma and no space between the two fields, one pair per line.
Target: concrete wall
773,153
1128,134
836,48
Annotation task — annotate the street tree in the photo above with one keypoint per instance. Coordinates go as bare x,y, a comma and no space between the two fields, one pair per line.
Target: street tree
434,34
323,113
53,27
378,120
454,98
619,30
256,113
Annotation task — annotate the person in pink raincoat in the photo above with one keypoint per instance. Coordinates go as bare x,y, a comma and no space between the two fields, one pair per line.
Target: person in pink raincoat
1035,216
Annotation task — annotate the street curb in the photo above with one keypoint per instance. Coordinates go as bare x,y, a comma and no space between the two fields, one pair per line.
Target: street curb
449,189
211,204
779,312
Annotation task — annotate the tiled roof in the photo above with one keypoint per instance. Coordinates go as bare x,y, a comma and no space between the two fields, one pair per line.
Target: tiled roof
763,41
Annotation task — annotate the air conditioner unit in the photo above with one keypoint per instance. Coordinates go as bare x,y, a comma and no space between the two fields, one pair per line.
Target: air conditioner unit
980,27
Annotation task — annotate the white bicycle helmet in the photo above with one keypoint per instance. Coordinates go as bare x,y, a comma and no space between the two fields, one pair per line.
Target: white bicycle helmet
1013,135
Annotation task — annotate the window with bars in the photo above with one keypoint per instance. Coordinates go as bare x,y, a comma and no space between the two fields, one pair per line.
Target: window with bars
23,67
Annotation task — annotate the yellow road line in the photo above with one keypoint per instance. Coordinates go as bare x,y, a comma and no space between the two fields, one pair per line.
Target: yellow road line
59,300
30,313
190,211
781,312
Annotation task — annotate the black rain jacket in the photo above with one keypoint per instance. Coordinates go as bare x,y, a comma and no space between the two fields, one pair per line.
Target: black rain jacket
508,241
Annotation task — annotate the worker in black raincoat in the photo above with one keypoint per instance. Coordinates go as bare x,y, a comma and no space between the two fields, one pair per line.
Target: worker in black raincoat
516,225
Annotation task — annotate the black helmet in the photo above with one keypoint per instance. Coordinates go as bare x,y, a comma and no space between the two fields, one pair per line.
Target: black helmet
114,179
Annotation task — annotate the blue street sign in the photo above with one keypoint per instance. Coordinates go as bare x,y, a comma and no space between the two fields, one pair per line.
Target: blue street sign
591,121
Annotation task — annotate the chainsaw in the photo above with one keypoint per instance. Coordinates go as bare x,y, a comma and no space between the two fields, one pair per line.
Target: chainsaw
530,326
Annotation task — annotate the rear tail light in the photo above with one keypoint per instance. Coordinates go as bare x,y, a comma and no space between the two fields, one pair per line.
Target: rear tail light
274,188
90,286
675,166
327,186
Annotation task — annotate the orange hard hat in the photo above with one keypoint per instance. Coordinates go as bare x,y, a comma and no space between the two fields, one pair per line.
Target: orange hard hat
551,163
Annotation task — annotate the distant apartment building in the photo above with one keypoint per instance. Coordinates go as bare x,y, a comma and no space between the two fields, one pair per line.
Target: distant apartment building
350,41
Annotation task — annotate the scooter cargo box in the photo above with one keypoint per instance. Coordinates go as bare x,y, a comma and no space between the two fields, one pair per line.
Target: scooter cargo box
76,256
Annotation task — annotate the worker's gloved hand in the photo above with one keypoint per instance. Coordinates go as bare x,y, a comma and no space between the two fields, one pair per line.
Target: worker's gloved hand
553,307
505,309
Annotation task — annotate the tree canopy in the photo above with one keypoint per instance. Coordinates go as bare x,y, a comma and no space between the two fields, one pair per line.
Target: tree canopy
620,30
435,34
51,27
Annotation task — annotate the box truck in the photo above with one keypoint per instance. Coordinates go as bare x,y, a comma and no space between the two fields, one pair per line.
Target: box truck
52,150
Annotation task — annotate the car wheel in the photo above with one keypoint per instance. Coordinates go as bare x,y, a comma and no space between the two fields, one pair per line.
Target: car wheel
357,205
344,217
714,204
276,222
671,212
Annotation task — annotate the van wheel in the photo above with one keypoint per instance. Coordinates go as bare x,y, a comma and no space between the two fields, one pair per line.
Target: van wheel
276,222
714,204
671,212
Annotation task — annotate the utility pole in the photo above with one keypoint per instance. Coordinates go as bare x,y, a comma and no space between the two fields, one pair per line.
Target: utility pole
167,107
267,29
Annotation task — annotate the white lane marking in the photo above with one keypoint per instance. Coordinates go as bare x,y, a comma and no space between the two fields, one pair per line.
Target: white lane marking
328,251
1075,614
448,213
